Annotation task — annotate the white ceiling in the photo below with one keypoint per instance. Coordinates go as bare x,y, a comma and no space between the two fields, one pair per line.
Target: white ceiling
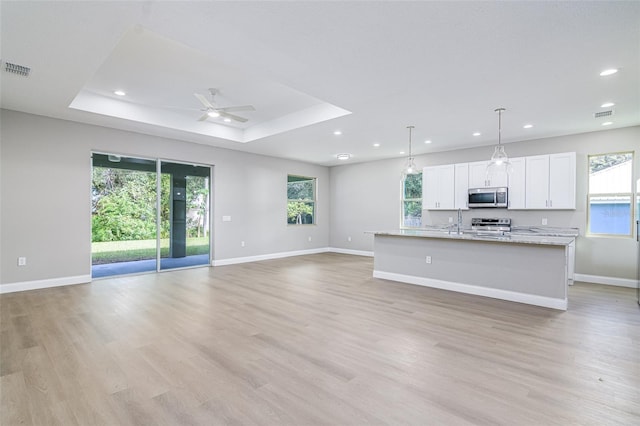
368,69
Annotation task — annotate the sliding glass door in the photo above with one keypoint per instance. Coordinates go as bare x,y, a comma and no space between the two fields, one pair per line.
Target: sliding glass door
134,230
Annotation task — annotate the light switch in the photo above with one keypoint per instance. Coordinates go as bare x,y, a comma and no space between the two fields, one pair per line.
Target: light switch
226,218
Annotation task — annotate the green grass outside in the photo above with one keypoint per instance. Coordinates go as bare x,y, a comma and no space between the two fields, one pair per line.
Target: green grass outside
127,251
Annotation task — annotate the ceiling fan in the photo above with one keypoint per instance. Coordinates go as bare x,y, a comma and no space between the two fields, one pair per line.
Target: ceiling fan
211,110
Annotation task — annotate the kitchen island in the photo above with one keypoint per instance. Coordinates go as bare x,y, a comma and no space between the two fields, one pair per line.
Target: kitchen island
532,269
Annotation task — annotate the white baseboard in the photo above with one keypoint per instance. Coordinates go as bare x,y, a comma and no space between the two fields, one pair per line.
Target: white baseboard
530,299
52,282
619,282
353,252
235,260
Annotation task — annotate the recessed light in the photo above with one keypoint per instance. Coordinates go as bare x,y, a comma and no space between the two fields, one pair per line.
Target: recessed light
343,157
610,71
527,126
376,145
213,114
477,134
227,120
607,105
607,123
119,92
427,141
337,133
401,152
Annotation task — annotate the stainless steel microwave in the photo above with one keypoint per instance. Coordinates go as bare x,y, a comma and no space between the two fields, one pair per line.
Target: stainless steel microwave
488,197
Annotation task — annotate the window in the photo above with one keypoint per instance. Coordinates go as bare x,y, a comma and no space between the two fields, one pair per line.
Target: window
610,195
301,200
412,201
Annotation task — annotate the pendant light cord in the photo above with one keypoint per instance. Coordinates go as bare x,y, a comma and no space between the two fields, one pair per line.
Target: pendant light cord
410,129
499,111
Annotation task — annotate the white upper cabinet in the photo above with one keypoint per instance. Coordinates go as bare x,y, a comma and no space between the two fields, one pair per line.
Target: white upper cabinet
537,182
438,187
461,195
551,181
478,176
517,189
562,181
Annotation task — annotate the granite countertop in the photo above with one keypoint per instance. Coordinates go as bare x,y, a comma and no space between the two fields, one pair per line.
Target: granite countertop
529,237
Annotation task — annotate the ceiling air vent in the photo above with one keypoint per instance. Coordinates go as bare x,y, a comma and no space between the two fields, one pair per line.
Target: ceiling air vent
17,69
603,114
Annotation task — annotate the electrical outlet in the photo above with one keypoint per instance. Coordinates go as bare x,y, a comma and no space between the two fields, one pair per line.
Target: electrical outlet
22,261
309,238
349,239
544,220
428,260
450,219
241,243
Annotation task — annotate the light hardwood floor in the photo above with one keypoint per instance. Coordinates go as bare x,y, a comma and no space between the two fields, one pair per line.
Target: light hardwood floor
313,340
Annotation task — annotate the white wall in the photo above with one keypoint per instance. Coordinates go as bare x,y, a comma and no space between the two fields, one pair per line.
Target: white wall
366,197
45,186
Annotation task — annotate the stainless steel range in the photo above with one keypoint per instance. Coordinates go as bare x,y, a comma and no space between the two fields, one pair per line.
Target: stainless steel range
491,225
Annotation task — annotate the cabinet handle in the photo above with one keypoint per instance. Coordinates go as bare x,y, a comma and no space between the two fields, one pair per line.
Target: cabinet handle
546,203
550,203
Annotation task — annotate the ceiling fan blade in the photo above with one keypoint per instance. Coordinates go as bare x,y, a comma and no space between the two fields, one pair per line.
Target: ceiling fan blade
237,108
204,101
233,117
204,117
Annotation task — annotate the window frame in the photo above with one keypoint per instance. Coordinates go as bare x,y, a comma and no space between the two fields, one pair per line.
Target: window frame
631,195
403,200
313,201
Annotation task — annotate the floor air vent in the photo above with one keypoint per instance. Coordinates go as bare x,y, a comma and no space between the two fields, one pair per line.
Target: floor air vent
17,69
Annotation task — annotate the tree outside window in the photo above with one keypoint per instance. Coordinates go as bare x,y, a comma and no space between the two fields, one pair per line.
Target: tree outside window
412,201
301,200
610,195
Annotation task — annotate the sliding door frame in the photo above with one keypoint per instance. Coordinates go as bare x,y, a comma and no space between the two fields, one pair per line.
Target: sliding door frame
159,161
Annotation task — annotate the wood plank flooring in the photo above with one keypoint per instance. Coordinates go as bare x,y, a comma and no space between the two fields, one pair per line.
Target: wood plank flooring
312,340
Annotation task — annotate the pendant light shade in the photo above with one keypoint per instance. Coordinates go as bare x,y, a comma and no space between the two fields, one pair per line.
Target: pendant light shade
410,166
499,163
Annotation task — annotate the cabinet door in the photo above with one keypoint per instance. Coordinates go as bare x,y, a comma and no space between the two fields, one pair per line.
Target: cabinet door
478,174
438,186
537,182
429,188
461,197
516,185
447,184
500,179
562,181
478,177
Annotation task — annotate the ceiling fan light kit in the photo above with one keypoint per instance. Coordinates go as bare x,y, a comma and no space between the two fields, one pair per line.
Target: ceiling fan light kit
212,110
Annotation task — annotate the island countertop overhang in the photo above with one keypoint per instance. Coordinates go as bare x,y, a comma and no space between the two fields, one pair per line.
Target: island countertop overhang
512,238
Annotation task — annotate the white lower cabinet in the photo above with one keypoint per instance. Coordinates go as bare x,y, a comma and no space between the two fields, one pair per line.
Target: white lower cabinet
571,261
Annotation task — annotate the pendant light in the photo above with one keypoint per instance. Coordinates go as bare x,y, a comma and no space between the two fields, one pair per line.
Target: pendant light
410,166
499,160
